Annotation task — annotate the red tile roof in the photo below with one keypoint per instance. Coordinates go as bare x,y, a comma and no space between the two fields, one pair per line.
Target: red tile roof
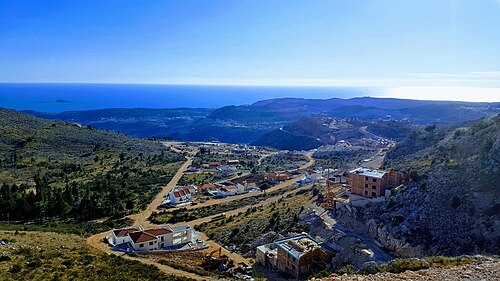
141,236
124,231
207,186
158,231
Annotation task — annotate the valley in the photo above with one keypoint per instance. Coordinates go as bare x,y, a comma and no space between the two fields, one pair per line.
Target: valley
277,194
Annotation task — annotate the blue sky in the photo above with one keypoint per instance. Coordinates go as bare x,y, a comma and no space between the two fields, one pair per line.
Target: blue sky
449,48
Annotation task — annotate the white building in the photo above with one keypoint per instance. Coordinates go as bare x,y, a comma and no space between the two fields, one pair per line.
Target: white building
165,237
120,236
231,190
314,176
181,195
143,241
226,170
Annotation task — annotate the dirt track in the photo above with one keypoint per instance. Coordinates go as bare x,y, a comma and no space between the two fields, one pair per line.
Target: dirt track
142,218
97,240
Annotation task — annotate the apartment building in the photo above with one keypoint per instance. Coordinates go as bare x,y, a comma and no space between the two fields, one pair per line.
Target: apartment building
373,183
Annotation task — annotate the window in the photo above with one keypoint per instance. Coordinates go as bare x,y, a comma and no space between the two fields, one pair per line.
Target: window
366,185
366,192
162,238
366,178
374,180
141,245
151,243
374,187
374,194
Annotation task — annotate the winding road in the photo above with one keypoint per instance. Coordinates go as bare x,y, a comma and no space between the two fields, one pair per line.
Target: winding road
97,240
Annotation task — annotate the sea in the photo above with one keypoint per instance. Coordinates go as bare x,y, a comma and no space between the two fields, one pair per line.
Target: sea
68,97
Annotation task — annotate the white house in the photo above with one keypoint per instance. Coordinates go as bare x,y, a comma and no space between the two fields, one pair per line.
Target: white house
159,238
231,190
120,236
192,189
226,170
314,176
181,234
143,241
181,195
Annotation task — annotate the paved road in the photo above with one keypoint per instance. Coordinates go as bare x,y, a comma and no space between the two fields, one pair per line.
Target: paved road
378,254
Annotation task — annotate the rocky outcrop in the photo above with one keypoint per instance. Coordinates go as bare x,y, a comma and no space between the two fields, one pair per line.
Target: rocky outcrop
483,271
451,205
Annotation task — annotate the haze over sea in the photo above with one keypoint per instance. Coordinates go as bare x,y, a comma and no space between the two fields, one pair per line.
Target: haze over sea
65,97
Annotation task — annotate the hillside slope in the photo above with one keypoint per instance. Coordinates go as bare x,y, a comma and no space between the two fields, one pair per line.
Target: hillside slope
247,123
488,270
59,169
313,132
452,203
418,112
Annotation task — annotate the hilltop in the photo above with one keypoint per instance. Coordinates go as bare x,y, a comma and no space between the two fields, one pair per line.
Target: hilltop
451,205
56,169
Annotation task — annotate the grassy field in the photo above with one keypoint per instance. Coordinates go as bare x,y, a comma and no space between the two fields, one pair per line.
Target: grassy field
83,229
51,256
281,162
198,178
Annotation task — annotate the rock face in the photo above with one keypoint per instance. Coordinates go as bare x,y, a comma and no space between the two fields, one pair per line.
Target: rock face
451,205
483,271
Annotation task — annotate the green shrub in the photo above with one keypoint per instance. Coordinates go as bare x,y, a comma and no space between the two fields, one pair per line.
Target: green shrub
346,269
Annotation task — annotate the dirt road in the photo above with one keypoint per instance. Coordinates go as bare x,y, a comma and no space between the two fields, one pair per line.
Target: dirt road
97,240
142,218
252,194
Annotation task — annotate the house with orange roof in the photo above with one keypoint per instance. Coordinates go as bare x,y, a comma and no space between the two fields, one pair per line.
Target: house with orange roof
206,187
181,195
158,238
120,236
143,241
231,190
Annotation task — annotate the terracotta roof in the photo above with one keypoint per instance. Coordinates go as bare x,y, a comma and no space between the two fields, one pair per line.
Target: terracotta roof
158,231
207,186
230,187
124,231
177,194
141,236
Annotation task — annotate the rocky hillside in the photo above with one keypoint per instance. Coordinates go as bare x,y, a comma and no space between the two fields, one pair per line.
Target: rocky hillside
313,132
489,270
452,203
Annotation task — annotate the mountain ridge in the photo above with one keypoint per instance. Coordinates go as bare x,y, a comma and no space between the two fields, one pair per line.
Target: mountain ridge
247,123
